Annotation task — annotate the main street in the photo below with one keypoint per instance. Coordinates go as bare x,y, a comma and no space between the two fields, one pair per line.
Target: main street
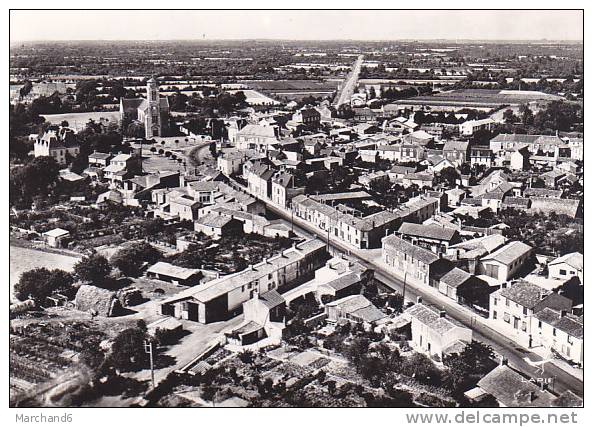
349,84
561,380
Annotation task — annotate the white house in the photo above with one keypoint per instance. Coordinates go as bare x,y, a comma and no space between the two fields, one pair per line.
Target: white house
504,263
55,237
561,332
567,266
435,333
512,310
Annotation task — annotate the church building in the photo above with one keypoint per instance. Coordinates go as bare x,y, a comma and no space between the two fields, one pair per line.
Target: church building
152,112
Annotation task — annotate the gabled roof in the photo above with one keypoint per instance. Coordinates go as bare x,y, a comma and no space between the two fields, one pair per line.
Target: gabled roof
574,259
455,277
456,146
101,156
56,232
415,252
572,325
282,178
427,231
171,270
258,130
513,389
214,220
272,299
359,307
509,252
432,319
524,293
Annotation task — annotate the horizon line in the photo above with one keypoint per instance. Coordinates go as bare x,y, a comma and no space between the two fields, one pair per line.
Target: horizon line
454,40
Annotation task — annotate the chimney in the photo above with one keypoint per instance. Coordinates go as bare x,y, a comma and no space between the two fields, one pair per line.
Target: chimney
419,300
504,285
563,313
504,361
442,314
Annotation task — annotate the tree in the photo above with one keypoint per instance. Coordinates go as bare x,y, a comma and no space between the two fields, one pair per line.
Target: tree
130,260
94,268
26,89
356,351
448,176
467,367
509,116
421,368
209,393
35,178
127,351
40,283
526,114
135,130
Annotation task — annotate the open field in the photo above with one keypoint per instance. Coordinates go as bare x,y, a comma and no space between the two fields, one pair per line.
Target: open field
78,121
25,259
255,98
292,85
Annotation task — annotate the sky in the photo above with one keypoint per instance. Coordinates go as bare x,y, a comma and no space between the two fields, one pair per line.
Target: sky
29,25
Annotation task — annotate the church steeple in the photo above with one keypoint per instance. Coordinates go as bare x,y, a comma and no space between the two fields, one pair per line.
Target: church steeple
152,90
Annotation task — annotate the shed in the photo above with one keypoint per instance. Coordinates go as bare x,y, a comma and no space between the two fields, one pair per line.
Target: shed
55,237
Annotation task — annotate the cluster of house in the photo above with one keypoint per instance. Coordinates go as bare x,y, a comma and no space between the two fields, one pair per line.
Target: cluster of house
267,158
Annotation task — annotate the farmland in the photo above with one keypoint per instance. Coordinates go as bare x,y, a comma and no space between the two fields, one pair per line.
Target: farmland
41,352
78,121
25,259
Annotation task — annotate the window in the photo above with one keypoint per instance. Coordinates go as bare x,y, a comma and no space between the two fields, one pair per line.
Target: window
554,331
525,311
568,339
539,324
494,315
507,302
562,272
495,301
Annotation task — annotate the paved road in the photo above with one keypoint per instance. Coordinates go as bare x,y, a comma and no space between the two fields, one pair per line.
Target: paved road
501,344
349,84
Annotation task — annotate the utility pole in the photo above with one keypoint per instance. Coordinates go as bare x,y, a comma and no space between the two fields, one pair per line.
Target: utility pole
148,350
404,288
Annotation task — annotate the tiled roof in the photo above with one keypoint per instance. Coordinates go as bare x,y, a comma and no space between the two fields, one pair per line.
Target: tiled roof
272,299
568,323
214,220
509,252
415,252
455,277
456,146
574,259
427,231
524,293
223,285
513,389
432,318
172,270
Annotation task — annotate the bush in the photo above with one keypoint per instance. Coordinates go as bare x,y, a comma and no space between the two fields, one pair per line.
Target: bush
94,268
40,283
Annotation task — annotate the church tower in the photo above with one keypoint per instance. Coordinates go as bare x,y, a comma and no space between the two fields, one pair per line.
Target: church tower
152,122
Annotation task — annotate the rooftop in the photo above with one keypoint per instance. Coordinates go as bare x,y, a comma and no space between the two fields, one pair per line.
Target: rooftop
509,252
427,231
432,318
171,270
